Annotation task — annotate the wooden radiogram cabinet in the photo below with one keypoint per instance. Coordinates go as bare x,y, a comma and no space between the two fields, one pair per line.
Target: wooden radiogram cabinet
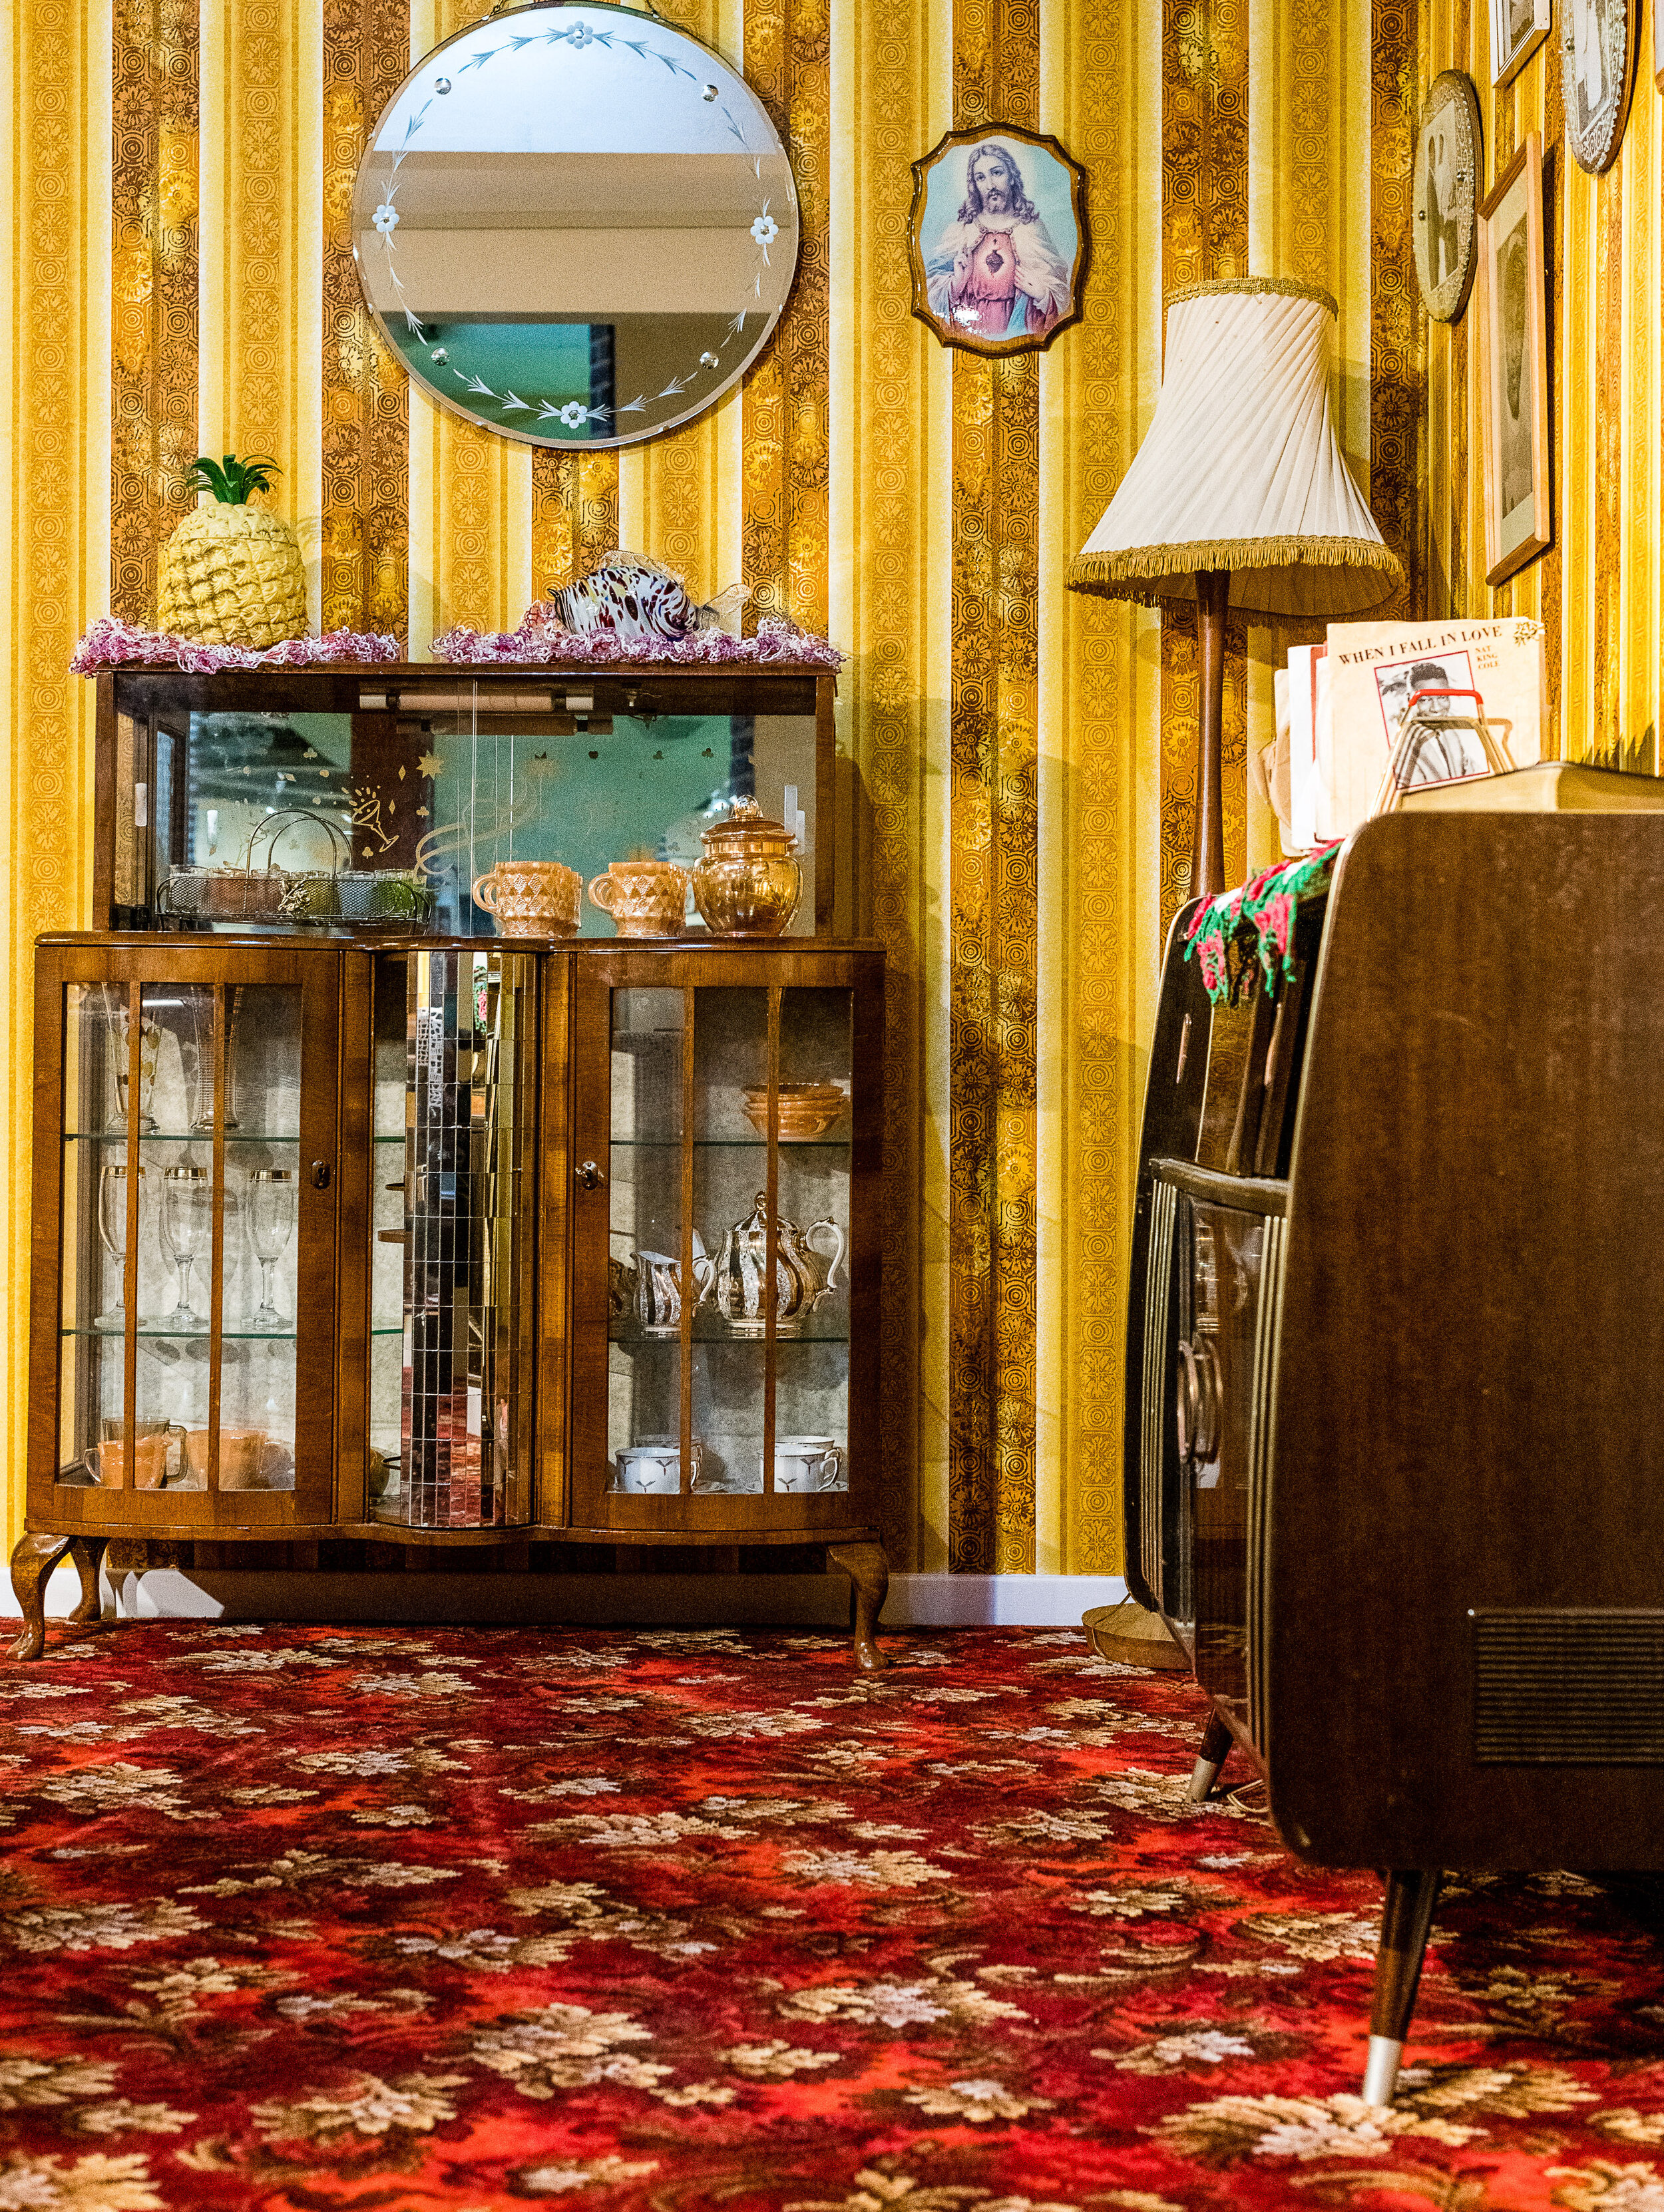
450,1238
1393,1469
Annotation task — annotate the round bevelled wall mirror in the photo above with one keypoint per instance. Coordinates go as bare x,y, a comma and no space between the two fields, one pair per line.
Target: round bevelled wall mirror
576,225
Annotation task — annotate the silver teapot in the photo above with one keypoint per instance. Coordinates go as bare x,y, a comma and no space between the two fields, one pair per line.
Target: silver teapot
803,1274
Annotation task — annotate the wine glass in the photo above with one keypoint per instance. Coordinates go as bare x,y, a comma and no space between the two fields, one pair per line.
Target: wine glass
187,1231
270,1225
112,1234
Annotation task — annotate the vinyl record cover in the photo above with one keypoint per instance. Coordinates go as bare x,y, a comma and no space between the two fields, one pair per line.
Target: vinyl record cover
1375,669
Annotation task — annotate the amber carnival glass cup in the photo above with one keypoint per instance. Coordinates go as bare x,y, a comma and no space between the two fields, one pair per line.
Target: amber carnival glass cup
532,898
645,898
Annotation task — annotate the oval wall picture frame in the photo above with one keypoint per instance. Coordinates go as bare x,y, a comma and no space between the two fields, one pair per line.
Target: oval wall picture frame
1598,40
1445,193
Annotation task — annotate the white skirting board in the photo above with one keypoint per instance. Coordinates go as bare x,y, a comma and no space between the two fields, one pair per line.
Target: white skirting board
589,1600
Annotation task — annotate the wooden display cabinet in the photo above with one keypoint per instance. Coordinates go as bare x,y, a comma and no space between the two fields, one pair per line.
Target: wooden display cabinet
445,1242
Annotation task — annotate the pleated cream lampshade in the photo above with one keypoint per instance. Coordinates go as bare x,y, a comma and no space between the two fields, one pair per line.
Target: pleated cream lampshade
1240,470
1239,500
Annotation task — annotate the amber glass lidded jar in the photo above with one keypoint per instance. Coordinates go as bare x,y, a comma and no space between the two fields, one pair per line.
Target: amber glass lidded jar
749,881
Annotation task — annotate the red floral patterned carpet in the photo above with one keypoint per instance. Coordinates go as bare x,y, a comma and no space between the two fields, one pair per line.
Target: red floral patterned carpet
709,1922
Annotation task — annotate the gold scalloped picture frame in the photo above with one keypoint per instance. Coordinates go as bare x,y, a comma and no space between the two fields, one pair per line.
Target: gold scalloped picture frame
998,259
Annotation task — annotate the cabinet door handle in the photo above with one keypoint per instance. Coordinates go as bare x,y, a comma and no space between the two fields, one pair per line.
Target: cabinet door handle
321,1175
589,1175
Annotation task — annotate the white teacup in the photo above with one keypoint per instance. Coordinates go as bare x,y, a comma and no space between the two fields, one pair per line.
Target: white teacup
654,1468
803,1463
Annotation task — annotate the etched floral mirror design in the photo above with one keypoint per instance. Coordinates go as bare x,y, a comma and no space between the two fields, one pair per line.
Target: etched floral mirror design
576,225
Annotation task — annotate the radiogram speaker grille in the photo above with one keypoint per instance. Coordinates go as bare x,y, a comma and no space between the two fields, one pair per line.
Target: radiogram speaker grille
1568,1686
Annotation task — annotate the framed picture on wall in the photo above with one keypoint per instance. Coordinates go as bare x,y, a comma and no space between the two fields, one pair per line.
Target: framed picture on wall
1518,27
1513,298
1597,76
1445,193
997,239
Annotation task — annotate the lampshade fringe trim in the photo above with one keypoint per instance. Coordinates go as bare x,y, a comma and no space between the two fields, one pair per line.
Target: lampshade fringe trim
1136,572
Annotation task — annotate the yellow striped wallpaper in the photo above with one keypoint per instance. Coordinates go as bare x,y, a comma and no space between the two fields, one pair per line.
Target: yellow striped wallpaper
1597,588
1015,761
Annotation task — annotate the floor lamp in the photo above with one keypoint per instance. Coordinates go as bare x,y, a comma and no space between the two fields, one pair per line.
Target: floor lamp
1239,500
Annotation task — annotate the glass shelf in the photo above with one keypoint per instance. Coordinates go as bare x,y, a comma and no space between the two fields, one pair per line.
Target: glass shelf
729,1144
185,1137
195,1335
708,1332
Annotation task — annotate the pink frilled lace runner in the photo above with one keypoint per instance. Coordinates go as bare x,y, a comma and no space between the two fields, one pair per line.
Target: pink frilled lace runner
539,638
111,643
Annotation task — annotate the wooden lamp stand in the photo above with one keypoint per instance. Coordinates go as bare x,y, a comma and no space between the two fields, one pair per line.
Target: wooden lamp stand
1207,860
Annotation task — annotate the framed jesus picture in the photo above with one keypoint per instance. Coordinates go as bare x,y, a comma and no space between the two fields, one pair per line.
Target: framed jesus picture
1513,367
997,239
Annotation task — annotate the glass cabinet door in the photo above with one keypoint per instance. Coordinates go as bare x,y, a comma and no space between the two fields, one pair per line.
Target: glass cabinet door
728,1217
196,1267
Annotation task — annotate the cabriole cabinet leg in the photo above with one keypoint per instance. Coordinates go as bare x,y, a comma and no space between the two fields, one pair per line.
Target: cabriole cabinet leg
1405,1919
869,1571
86,1552
31,1563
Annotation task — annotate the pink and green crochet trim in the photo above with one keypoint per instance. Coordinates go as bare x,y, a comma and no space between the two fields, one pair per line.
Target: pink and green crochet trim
1245,936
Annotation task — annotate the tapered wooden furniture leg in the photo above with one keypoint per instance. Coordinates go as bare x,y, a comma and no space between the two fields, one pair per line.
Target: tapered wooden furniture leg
1216,1745
86,1552
1404,1921
869,1571
31,1563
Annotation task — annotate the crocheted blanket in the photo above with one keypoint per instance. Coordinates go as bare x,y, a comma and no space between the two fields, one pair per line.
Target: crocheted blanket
1243,938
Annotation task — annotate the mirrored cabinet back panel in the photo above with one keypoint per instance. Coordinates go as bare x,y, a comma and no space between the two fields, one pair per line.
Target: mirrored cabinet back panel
346,802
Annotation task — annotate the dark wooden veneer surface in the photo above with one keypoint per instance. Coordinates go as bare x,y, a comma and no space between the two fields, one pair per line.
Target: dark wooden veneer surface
1473,1330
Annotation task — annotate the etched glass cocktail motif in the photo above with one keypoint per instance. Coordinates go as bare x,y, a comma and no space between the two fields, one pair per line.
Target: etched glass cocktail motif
187,1232
270,1225
112,1234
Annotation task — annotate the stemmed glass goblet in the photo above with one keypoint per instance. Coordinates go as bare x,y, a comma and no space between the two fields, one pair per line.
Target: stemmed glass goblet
270,1225
121,1021
112,1234
187,1230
